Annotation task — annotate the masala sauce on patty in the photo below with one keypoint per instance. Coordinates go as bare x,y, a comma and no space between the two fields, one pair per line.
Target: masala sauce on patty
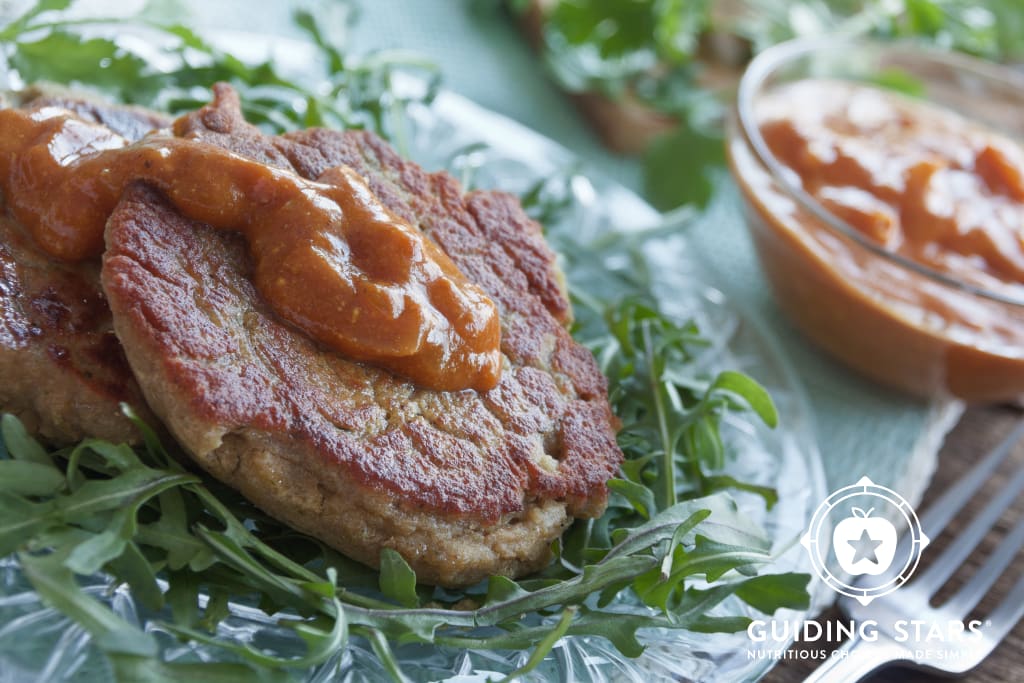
327,255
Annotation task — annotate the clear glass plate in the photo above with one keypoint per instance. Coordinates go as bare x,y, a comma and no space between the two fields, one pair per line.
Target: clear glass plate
490,151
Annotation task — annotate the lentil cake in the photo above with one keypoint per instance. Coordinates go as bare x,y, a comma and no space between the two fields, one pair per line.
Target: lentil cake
463,484
63,370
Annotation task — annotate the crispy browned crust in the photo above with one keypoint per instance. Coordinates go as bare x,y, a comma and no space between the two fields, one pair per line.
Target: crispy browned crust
463,484
62,369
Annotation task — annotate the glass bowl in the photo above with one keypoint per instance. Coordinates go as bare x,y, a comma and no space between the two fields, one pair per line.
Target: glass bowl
897,321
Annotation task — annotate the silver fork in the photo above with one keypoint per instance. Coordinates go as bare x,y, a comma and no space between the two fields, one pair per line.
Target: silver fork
858,657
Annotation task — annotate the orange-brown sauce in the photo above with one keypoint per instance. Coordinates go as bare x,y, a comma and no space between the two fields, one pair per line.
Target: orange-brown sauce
327,255
917,180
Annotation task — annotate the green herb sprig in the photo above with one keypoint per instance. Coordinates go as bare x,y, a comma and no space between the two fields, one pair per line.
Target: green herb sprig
139,515
175,70
652,48
655,52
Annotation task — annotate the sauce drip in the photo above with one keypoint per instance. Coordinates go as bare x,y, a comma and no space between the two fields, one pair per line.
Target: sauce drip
328,256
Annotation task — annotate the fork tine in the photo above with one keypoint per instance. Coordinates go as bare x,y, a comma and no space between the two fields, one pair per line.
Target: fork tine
958,551
1005,617
968,597
951,502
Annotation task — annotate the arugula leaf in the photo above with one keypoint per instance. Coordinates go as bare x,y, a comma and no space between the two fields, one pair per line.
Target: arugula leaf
604,45
640,497
57,586
382,649
397,579
97,60
684,167
545,645
678,27
22,23
609,46
356,93
27,478
670,419
133,669
703,536
19,445
21,518
136,571
719,482
751,393
899,81
770,592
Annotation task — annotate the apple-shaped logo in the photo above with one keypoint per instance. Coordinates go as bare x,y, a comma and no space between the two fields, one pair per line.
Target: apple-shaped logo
865,547
864,544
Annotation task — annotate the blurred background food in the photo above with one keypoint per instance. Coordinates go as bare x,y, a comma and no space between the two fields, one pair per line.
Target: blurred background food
651,76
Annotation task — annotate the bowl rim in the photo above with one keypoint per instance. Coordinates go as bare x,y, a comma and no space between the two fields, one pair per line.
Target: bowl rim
766,63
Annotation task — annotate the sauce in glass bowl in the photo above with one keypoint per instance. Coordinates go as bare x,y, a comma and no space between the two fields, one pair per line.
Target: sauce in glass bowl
892,231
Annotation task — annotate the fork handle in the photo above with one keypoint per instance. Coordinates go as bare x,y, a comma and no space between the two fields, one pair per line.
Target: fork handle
855,659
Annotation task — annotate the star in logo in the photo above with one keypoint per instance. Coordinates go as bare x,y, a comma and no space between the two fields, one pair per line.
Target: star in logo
864,548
